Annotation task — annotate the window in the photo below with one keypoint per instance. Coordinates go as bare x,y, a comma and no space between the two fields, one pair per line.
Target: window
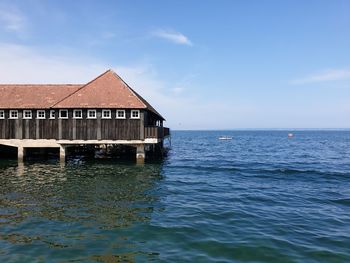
40,114
27,114
52,114
91,114
2,114
120,114
106,114
13,114
77,114
135,114
63,114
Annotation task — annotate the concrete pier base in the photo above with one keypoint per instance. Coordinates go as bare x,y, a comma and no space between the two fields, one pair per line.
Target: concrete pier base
20,154
140,153
62,153
20,169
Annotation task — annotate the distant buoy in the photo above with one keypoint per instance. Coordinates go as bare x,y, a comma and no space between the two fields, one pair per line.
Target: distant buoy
290,135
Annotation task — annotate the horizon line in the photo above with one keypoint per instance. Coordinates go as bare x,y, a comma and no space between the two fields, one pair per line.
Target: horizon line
267,129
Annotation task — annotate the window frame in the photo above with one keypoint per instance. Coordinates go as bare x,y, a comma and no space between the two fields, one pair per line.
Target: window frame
75,111
138,112
24,114
88,114
110,114
117,117
38,112
2,114
10,116
52,115
60,114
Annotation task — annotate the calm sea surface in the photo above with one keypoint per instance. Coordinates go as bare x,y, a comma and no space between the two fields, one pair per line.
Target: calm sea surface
260,197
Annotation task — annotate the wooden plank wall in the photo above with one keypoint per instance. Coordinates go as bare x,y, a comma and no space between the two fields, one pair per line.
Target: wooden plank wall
71,129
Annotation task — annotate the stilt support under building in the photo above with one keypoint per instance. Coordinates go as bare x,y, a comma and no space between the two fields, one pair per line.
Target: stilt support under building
140,153
62,153
20,154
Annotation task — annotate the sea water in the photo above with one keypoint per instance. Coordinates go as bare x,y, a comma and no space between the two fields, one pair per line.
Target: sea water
260,197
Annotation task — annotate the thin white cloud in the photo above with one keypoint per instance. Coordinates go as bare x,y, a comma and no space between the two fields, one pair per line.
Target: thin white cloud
12,20
175,37
327,75
21,64
178,90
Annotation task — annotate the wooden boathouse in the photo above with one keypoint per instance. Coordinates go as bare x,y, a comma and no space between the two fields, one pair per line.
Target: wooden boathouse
105,111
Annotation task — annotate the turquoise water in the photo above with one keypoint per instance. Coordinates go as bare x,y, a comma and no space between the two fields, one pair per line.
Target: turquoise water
260,197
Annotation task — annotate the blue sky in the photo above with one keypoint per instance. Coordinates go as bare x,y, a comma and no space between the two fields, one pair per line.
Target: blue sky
202,64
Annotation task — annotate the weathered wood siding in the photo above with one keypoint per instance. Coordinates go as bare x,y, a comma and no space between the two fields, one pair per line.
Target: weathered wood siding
71,129
156,132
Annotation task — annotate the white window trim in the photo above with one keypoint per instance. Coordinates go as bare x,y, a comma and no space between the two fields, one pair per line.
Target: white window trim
75,117
88,114
13,118
60,114
24,114
131,117
2,112
117,117
110,114
54,114
37,114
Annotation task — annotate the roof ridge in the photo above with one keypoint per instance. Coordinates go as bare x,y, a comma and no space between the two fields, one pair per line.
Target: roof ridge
138,96
81,87
116,83
132,91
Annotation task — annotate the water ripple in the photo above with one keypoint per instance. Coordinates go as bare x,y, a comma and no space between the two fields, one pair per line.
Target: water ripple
258,198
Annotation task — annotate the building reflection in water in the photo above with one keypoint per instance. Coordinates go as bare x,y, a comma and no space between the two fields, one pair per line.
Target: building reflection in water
89,210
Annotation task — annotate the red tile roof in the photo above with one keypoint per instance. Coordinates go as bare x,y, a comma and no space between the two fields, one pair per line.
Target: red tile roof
28,96
106,91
